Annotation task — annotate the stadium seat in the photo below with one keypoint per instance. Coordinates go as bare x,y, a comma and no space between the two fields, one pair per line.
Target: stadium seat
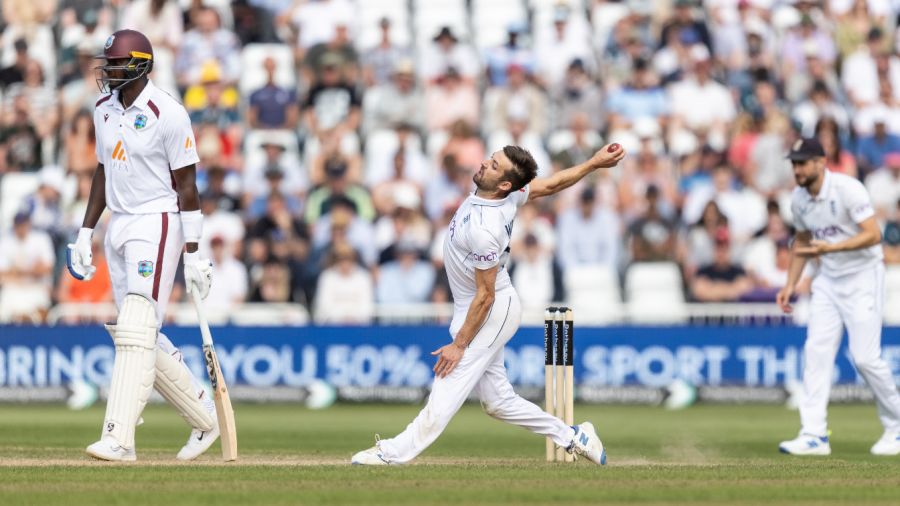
369,15
490,18
14,187
253,76
381,145
655,294
592,291
561,140
892,295
253,315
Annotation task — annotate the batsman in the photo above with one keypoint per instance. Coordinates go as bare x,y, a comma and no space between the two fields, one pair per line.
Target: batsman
146,176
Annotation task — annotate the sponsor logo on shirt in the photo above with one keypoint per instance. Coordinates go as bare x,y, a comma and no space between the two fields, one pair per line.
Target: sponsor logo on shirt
490,256
830,231
119,152
188,143
862,208
105,117
145,268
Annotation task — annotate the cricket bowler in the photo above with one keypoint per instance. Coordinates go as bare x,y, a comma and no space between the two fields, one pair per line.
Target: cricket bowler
487,311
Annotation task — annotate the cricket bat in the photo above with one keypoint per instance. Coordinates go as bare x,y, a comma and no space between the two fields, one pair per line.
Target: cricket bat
224,412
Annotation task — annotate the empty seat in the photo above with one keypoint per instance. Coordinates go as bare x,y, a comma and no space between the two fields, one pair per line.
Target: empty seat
655,294
14,187
592,291
892,295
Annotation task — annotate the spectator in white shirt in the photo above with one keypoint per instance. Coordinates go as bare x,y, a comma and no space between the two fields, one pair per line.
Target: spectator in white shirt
448,52
588,234
699,102
26,265
535,276
230,275
884,186
345,293
406,280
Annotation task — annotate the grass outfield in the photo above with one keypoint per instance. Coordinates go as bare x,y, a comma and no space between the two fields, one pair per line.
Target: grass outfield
289,455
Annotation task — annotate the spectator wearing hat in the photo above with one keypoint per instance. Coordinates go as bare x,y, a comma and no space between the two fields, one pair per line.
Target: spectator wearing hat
447,52
398,100
274,177
272,106
588,234
332,103
212,101
577,94
384,188
722,280
342,223
883,185
517,96
407,279
272,173
338,185
498,59
345,293
449,99
380,63
820,104
207,42
26,271
405,223
44,207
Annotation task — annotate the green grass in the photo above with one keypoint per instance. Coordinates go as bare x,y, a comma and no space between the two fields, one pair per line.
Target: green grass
289,455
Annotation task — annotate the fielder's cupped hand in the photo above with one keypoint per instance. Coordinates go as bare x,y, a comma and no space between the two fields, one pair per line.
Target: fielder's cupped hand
197,273
79,257
448,358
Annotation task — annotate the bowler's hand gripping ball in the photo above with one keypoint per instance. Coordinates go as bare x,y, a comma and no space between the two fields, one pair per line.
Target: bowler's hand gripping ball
613,147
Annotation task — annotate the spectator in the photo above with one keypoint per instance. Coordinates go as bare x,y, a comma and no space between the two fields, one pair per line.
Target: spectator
221,223
338,48
15,73
272,106
683,21
448,189
406,162
80,144
575,145
342,224
219,187
859,72
820,105
722,280
345,293
394,102
274,177
588,234
884,186
446,53
745,208
577,94
646,169
230,276
26,268
512,52
96,290
871,149
213,102
332,103
382,61
640,98
652,237
891,240
465,146
700,103
536,276
207,42
404,223
557,47
451,99
272,169
316,22
44,207
274,284
836,159
769,172
274,233
803,37
161,21
518,96
517,133
41,100
700,239
338,185
767,256
384,191
406,280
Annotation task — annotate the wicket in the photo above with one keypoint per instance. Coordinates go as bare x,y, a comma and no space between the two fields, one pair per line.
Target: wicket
559,376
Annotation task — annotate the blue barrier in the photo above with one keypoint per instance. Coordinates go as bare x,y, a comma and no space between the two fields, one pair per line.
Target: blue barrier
399,356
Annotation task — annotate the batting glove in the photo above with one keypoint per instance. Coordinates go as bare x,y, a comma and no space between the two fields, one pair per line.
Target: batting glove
79,256
197,273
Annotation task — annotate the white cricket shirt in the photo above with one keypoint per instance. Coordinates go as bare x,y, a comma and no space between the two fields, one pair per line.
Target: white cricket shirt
478,238
139,147
834,216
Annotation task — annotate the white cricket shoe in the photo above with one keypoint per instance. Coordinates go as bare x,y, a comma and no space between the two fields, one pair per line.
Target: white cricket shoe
889,444
588,444
199,442
109,449
370,457
806,444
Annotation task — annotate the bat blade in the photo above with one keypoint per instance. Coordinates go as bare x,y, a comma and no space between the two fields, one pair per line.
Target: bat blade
224,412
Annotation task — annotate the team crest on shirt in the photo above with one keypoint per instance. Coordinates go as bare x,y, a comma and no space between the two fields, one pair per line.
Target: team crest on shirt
145,268
140,121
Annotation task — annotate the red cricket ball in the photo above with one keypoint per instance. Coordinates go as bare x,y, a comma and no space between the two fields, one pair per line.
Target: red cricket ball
613,147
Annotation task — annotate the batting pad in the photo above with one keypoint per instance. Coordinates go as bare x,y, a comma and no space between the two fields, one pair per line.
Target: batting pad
177,386
133,368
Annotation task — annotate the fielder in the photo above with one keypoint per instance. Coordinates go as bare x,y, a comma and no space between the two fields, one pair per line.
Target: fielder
146,177
487,312
835,222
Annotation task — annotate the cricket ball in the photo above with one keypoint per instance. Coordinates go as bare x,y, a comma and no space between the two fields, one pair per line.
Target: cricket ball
613,147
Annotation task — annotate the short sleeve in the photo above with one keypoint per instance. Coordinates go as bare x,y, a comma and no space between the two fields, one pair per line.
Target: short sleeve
858,203
181,147
485,249
797,216
520,197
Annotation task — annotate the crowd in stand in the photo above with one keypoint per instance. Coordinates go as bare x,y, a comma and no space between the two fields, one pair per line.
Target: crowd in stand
330,168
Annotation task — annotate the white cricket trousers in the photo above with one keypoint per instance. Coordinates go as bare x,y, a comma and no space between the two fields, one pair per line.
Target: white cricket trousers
856,301
481,369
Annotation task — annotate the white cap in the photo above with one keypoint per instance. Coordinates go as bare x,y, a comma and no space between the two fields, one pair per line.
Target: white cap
407,197
646,128
53,176
699,53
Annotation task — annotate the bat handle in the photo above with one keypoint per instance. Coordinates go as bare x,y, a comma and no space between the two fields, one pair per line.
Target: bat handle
201,317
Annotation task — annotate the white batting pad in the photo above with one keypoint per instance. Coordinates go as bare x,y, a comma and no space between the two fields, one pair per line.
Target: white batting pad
178,387
133,369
